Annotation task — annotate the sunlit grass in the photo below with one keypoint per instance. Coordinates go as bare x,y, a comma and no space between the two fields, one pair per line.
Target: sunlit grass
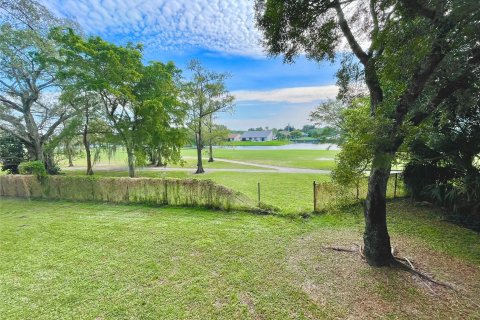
62,260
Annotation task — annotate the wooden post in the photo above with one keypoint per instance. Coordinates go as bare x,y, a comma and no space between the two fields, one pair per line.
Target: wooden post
166,191
259,194
314,196
395,186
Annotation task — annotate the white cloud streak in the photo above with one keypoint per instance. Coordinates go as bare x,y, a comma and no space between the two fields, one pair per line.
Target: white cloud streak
225,26
290,95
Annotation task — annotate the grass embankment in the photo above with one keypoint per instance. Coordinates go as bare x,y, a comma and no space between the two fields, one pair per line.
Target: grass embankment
292,193
93,261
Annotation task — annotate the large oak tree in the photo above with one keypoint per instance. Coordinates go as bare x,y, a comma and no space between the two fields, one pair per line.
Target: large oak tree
404,49
29,109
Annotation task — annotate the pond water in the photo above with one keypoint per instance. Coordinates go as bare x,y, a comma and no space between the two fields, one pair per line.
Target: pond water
293,146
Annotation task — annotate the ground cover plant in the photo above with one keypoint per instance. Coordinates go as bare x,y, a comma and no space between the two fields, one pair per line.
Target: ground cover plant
84,260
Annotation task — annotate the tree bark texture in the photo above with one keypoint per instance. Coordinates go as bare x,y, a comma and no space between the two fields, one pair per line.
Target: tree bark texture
131,162
199,148
376,239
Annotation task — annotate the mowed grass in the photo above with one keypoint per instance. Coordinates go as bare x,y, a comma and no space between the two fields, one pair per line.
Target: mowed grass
304,159
119,158
292,193
61,260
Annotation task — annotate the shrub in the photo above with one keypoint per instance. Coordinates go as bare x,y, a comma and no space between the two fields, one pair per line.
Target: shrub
36,168
11,152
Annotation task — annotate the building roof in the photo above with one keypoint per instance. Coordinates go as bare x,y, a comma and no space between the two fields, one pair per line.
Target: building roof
234,135
256,134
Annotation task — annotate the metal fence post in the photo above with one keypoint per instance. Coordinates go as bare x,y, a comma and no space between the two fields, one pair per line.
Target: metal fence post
259,194
395,186
314,196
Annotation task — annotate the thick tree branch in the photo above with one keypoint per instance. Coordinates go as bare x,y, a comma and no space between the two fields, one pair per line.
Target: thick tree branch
460,82
421,77
64,116
357,50
10,104
21,137
14,121
375,30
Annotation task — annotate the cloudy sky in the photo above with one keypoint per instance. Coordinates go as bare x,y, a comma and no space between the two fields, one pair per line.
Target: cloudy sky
221,34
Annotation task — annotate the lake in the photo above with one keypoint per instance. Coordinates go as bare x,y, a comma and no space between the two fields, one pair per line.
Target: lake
293,146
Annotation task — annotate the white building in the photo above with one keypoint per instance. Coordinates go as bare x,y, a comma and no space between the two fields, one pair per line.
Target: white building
257,136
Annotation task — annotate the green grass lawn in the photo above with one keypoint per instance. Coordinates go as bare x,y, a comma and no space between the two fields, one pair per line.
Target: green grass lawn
119,158
191,162
292,193
61,260
307,159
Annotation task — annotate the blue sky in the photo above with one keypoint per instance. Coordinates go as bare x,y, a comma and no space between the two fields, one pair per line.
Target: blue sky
222,35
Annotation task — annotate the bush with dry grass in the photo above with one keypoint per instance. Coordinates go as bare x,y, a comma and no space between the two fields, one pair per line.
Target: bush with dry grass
177,192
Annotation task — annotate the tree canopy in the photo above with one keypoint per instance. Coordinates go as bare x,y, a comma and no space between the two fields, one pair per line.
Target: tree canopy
411,55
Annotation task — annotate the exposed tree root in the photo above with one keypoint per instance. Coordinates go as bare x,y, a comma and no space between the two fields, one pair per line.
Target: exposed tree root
399,263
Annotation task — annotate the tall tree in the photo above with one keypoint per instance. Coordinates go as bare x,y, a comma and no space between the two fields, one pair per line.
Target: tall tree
111,72
158,97
401,47
140,102
89,119
205,95
28,106
216,134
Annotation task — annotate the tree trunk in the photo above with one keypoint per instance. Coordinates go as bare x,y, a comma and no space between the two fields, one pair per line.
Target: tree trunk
49,161
159,159
199,160
86,144
131,163
210,152
38,151
69,154
376,239
210,148
199,149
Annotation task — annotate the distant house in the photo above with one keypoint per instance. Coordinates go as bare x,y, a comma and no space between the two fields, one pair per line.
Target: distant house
257,136
234,137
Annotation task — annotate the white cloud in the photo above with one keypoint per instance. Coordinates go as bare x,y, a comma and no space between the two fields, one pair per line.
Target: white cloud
291,95
219,25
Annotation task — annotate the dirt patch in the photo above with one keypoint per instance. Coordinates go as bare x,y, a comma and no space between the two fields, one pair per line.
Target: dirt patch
247,300
343,282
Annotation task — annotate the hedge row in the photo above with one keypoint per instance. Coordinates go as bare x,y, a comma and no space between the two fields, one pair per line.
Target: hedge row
328,194
177,192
